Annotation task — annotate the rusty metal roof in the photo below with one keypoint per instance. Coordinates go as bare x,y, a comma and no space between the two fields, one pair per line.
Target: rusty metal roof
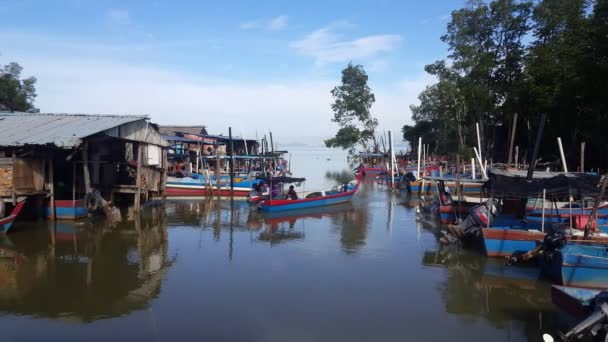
61,130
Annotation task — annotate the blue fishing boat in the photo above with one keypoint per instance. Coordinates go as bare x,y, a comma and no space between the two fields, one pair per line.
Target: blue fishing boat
589,307
334,196
578,264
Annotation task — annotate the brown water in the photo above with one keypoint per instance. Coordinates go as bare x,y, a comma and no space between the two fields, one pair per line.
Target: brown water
216,270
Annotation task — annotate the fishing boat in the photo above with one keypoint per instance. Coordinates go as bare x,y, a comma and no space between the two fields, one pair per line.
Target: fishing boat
333,196
372,164
518,233
7,222
578,264
189,186
589,307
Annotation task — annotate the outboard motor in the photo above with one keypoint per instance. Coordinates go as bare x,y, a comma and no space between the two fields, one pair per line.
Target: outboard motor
480,216
595,325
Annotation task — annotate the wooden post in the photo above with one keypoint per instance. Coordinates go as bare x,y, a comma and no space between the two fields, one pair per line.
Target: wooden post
561,153
512,138
542,224
458,217
231,162
583,156
478,141
271,142
539,137
13,191
165,170
52,187
419,153
218,171
85,167
138,175
74,183
516,157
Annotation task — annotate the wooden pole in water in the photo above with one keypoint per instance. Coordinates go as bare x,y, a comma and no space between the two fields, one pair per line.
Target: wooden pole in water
512,138
458,192
483,171
74,183
52,186
390,146
478,140
271,142
231,162
138,175
561,153
419,153
539,137
218,171
472,168
542,224
583,156
516,157
85,167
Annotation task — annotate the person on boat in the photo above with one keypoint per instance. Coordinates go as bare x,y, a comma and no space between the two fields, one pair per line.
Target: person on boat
292,194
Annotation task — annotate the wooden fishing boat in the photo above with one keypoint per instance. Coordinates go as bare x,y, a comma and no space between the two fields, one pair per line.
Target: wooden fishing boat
313,199
7,222
579,265
576,301
589,308
188,186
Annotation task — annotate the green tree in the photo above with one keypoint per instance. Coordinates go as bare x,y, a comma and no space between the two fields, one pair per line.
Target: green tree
16,94
353,100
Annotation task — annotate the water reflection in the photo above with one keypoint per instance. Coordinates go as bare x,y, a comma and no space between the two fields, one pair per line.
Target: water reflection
482,288
224,216
84,271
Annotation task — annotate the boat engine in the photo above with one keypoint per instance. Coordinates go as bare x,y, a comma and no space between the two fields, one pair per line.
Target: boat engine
469,230
596,325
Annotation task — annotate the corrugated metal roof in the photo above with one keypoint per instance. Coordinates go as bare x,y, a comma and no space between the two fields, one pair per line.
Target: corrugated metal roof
62,130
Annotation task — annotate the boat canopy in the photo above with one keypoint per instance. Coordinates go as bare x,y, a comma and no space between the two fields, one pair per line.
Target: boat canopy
453,179
503,184
371,155
282,179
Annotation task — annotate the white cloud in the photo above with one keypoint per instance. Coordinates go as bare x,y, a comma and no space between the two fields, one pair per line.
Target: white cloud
278,23
85,81
325,45
275,24
118,17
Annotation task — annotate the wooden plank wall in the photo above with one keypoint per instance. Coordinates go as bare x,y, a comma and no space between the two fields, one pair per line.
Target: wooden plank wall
6,177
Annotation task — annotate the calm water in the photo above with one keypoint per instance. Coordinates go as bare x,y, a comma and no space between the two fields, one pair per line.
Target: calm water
215,270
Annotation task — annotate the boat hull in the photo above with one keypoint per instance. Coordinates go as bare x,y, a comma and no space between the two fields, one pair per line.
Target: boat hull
502,242
7,222
577,265
190,187
68,210
286,205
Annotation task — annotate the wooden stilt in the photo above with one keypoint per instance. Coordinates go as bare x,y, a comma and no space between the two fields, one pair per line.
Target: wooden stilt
218,171
74,182
138,179
85,167
52,187
512,138
583,156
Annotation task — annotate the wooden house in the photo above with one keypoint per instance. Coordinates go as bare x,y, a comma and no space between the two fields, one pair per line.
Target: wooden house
58,158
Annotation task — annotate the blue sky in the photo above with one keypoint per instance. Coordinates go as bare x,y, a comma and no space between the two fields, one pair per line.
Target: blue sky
252,65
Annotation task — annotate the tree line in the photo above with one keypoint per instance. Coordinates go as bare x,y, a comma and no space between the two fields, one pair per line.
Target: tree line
510,62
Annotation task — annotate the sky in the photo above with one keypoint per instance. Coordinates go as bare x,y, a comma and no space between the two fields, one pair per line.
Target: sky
256,66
